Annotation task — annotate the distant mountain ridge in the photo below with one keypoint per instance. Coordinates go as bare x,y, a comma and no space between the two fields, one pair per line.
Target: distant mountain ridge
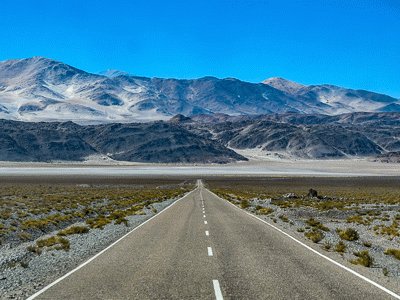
207,138
309,136
40,89
153,142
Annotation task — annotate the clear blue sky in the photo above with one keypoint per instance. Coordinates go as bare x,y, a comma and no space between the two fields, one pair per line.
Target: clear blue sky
352,43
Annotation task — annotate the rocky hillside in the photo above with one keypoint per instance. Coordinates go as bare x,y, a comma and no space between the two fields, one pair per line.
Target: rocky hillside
160,142
207,138
305,136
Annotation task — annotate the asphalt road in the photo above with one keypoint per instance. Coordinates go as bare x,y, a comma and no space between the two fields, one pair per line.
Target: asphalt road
219,252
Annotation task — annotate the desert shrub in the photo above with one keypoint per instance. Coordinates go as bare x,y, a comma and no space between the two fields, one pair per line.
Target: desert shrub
316,224
363,259
284,218
393,252
264,210
121,220
34,224
314,235
55,242
367,244
358,219
340,247
385,272
244,203
73,230
24,236
98,222
327,246
35,249
391,230
348,234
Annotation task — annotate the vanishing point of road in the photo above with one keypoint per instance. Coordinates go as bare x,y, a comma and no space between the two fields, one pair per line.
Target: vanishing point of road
202,247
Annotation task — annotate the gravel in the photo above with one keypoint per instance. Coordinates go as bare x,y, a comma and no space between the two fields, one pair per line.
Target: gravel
336,219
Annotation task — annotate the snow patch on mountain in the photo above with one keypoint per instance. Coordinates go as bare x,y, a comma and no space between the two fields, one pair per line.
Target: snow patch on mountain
42,89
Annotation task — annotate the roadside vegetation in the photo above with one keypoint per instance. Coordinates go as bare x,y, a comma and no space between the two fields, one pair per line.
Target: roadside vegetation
356,218
30,211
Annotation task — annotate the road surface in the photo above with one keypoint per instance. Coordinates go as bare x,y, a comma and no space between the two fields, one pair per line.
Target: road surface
204,248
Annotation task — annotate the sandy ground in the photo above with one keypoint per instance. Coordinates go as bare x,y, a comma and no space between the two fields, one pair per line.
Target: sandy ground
257,167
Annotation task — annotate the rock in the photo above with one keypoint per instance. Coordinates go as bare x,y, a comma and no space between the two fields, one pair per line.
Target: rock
312,193
290,196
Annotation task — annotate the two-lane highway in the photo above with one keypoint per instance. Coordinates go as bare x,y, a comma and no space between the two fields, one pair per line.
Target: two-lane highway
204,248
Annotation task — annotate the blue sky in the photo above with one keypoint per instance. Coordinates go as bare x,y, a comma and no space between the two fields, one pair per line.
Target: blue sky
349,43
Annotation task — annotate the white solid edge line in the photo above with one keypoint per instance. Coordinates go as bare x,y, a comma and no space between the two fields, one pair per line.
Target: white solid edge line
210,252
316,252
217,290
104,250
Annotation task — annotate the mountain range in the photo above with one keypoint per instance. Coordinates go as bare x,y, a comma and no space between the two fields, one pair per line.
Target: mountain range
51,111
40,89
207,138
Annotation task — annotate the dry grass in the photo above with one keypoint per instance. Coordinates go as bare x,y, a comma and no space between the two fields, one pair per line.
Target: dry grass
314,235
264,210
336,193
73,230
393,252
316,224
391,230
340,247
348,234
28,211
363,259
54,243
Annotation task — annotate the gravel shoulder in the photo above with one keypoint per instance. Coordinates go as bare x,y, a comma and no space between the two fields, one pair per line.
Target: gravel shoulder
297,222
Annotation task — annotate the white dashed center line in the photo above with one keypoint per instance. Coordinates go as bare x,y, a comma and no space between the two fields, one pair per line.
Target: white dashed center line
217,290
205,222
207,233
204,216
210,252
